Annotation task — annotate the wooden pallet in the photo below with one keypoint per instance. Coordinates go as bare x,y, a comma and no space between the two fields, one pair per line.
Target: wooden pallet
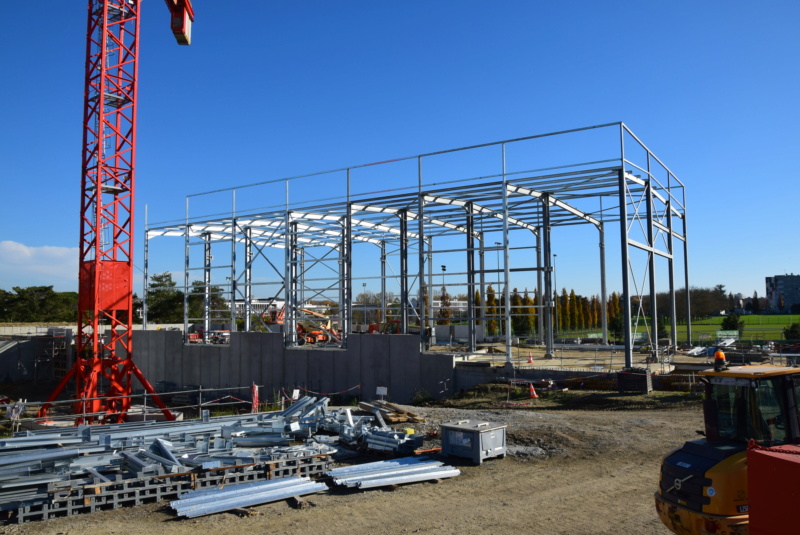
77,497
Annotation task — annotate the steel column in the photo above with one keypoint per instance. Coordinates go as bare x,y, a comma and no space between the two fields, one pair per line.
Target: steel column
671,268
423,291
248,277
145,272
383,283
506,264
404,297
539,300
626,296
233,274
548,305
482,270
290,283
651,266
470,277
186,250
206,285
346,274
603,291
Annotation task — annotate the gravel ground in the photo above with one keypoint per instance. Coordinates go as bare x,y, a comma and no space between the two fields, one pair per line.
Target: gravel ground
566,472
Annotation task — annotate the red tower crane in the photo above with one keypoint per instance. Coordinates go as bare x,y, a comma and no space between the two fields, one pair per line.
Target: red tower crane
104,367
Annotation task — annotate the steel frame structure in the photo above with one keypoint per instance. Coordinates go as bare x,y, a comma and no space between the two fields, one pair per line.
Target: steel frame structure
630,188
104,367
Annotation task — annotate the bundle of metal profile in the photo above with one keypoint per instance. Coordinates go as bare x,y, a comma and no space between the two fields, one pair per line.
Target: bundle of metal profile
388,440
185,432
388,473
44,473
143,476
206,502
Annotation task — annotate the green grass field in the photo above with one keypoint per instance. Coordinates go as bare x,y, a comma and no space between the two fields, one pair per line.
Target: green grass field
756,328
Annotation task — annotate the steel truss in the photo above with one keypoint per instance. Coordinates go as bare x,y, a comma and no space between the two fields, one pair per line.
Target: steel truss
513,211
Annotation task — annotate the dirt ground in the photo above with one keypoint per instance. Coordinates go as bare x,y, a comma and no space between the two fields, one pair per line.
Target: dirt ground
567,472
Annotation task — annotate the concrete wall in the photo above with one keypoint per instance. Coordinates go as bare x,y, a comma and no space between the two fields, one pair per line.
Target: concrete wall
370,361
32,357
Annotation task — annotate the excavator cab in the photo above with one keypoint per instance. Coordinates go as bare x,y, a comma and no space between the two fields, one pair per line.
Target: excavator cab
743,409
703,484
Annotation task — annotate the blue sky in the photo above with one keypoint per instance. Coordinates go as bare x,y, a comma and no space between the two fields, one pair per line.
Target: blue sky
270,89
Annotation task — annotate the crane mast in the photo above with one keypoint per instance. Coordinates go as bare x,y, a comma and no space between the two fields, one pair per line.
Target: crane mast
104,369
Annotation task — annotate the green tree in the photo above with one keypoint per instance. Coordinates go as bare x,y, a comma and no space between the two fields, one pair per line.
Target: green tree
756,305
491,311
216,301
445,312
164,300
7,304
613,306
519,320
474,313
792,332
572,310
529,309
615,327
39,304
564,312
501,311
732,322
594,318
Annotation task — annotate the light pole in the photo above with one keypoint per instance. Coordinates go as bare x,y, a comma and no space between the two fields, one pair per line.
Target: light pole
444,270
555,283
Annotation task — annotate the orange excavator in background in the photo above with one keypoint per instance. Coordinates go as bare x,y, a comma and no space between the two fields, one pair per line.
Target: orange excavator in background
308,331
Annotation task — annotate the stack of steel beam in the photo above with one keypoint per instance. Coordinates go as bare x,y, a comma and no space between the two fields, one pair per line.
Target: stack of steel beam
389,473
388,440
57,472
206,502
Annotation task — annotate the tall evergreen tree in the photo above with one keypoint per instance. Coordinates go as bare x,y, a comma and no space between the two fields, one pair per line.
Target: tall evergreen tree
445,312
491,311
519,319
574,306
595,317
529,312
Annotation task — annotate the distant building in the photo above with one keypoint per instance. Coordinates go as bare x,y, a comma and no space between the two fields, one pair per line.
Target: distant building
786,287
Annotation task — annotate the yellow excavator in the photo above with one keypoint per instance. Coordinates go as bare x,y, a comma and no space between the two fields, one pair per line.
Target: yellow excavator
703,484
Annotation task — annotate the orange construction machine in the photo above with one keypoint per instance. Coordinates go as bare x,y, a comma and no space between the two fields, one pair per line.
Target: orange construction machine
703,488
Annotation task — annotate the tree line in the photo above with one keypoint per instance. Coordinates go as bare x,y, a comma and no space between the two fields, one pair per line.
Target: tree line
42,304
573,312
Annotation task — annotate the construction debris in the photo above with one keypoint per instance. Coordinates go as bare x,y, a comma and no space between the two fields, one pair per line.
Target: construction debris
391,413
59,472
205,466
